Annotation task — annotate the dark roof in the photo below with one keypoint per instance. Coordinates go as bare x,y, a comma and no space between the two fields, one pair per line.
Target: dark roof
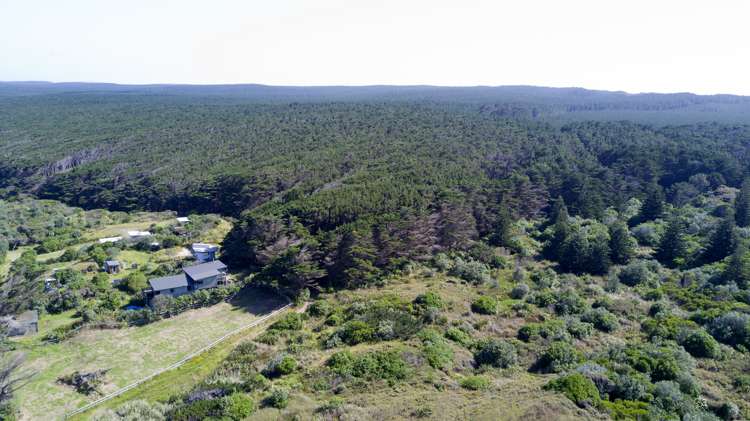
204,270
168,282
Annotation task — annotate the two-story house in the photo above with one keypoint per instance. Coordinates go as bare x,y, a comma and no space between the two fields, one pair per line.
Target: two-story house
192,278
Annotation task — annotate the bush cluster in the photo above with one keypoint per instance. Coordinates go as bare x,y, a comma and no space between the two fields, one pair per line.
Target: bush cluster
602,319
495,352
386,365
484,305
475,383
577,388
558,357
436,349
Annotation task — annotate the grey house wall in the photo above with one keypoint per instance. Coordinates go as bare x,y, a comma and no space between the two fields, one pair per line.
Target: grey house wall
174,292
204,283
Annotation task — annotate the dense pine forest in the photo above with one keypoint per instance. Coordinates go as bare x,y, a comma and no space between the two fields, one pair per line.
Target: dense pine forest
597,239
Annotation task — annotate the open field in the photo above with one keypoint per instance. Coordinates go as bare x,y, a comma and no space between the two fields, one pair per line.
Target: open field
181,379
129,354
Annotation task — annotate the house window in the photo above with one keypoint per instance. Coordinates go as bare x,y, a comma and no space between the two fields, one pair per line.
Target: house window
171,289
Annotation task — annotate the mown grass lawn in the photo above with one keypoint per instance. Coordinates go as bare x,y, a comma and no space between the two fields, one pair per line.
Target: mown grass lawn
129,354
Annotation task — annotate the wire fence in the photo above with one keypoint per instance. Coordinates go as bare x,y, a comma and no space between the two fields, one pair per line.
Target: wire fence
175,365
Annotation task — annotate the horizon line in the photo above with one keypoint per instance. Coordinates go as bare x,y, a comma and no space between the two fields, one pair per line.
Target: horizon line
374,85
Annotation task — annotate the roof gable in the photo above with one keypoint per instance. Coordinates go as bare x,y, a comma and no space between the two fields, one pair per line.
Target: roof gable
204,270
168,282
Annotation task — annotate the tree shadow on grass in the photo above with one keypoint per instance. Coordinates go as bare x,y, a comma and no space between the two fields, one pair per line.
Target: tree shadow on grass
257,301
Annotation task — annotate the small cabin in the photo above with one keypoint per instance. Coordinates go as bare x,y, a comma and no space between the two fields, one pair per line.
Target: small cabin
112,266
182,220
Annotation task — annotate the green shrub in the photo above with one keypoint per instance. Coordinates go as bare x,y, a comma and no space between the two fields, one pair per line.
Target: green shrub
430,300
665,368
135,282
320,308
602,319
341,363
519,291
331,406
7,410
279,398
569,302
387,365
484,305
559,356
475,383
579,329
630,387
470,270
269,337
659,308
198,410
281,365
700,344
666,327
732,329
292,321
497,353
528,331
436,350
543,298
334,319
670,398
238,406
459,336
729,411
356,331
635,273
741,383
578,388
622,410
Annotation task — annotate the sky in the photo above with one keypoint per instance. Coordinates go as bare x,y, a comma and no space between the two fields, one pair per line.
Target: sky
634,45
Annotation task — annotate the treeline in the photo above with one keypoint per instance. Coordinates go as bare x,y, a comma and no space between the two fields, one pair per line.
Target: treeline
357,187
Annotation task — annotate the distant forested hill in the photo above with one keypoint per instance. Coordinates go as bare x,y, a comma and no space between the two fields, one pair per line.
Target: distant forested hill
371,149
557,104
335,156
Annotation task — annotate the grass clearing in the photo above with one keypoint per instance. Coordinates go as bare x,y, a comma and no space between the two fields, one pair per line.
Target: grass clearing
129,354
181,379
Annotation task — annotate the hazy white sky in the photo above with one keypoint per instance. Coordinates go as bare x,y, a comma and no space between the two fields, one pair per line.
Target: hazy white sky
631,45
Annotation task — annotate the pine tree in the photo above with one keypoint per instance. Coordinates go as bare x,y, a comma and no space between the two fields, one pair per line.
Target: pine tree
738,267
558,207
598,255
355,260
653,204
456,227
672,249
293,271
561,231
501,230
574,253
742,205
621,243
723,240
